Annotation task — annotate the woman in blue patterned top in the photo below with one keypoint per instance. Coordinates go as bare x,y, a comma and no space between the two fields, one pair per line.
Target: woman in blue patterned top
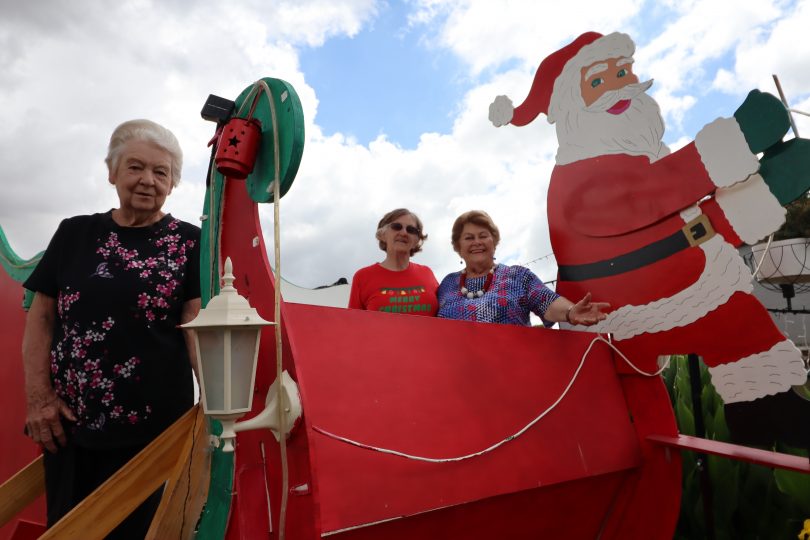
489,292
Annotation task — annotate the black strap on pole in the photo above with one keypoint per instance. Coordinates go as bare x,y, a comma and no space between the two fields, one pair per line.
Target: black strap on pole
702,458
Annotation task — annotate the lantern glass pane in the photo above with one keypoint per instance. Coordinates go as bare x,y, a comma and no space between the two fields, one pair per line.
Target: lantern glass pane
212,350
243,353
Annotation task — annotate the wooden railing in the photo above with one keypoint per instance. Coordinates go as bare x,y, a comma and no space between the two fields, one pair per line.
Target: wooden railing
178,458
21,489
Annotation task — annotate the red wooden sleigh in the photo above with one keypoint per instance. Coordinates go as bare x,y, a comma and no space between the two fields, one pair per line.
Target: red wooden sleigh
439,389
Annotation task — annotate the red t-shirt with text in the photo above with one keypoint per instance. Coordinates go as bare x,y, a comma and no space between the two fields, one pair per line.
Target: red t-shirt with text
411,291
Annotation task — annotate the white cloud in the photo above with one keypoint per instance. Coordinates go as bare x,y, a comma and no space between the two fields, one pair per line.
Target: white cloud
68,76
315,21
699,33
780,50
342,189
486,34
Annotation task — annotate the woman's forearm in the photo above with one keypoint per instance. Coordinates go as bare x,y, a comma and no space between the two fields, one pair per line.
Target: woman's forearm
44,408
583,312
558,310
36,347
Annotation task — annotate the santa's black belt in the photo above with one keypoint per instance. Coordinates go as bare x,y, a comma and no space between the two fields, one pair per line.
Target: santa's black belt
694,233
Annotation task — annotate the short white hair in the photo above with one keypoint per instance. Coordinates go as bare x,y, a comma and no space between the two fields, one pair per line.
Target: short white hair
148,131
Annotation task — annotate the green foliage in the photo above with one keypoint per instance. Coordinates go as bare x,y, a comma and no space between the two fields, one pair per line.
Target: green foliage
797,485
748,501
797,220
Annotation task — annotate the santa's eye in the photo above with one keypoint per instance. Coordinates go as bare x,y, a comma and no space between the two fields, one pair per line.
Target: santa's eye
596,82
621,73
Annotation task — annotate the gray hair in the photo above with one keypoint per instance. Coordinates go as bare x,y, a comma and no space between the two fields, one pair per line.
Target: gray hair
394,215
148,131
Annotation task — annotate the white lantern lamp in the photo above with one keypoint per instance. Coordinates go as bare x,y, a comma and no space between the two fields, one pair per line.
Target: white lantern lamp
226,337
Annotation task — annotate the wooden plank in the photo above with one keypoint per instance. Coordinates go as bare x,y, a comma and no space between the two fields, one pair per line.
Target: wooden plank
116,498
187,488
735,451
21,489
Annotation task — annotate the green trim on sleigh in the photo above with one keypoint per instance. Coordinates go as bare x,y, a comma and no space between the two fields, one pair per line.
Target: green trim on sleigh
214,518
290,129
18,268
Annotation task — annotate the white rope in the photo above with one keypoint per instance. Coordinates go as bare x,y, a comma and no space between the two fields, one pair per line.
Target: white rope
256,87
764,253
282,417
510,437
803,337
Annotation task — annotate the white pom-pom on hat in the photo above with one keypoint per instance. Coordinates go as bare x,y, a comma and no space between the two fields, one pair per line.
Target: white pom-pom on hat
501,111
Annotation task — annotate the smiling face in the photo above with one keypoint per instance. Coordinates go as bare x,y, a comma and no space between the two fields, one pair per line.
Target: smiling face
602,77
400,241
476,246
142,178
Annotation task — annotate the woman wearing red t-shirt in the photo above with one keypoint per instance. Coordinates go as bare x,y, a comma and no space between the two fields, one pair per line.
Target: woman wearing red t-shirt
397,285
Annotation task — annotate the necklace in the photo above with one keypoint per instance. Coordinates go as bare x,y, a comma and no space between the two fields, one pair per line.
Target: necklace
469,294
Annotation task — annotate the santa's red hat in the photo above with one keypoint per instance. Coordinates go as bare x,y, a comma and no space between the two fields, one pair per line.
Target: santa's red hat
588,48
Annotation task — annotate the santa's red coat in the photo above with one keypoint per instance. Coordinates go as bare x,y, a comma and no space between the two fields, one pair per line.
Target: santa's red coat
607,206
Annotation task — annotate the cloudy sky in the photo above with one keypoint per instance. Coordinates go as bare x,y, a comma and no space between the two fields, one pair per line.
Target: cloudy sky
395,97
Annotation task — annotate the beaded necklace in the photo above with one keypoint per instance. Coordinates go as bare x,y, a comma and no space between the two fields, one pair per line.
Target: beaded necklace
469,294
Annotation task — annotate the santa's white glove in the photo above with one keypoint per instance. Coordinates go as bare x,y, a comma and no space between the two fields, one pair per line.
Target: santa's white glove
501,111
725,153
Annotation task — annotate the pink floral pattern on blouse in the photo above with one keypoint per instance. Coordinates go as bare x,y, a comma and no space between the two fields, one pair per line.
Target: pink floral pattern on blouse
159,271
79,374
81,352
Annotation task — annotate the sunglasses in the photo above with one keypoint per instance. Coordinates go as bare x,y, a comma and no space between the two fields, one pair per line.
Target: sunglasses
410,229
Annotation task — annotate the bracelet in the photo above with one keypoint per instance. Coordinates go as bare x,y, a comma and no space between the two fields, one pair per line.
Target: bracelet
568,314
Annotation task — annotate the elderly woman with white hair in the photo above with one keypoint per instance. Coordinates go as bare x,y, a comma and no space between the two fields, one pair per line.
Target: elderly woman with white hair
106,367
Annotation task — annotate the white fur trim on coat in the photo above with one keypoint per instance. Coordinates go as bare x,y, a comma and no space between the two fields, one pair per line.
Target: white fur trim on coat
724,274
751,209
761,374
724,152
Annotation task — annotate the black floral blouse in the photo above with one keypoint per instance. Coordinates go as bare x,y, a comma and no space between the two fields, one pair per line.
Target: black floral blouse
117,357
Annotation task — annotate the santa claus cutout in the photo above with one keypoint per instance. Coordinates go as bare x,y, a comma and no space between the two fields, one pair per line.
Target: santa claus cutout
655,233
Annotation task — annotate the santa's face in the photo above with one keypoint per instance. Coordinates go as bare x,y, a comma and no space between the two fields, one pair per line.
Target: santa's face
600,78
607,111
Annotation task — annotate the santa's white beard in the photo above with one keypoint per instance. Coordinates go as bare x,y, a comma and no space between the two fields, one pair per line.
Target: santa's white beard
584,134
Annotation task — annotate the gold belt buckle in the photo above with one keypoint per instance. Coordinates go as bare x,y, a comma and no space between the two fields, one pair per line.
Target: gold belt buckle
698,230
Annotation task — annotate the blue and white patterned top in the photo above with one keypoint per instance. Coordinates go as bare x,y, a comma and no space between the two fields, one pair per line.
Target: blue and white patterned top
515,291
